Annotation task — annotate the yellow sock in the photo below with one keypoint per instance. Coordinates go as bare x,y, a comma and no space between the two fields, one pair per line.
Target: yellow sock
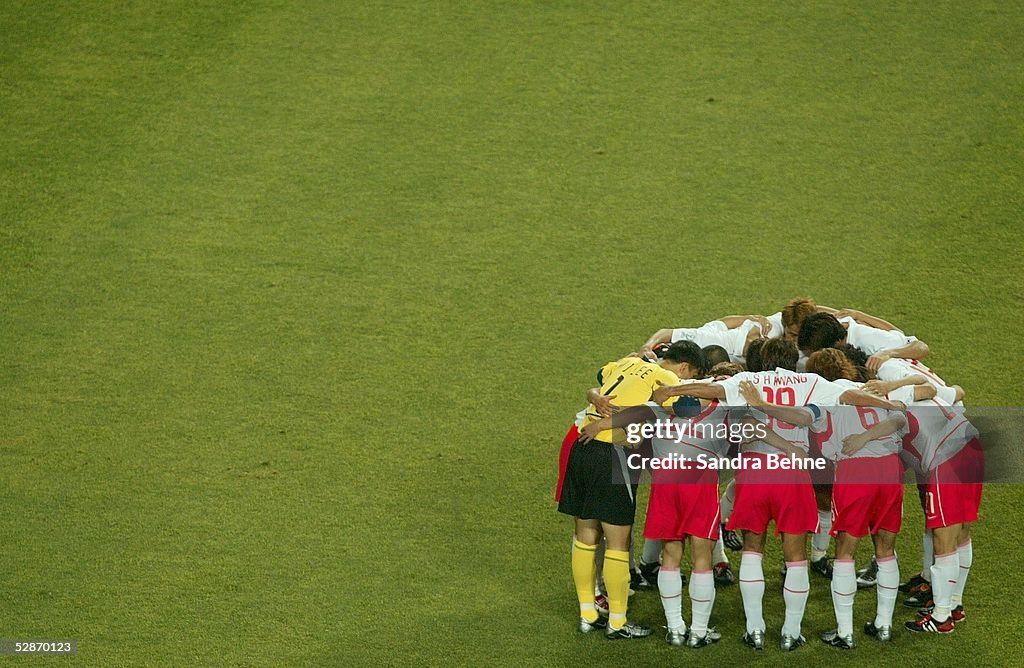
584,574
616,580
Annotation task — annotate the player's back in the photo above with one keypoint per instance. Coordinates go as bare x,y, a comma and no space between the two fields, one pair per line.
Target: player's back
845,421
934,433
631,381
784,387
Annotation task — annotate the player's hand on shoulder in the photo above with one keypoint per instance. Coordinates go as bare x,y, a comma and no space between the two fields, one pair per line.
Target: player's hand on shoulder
751,394
877,360
603,405
590,431
853,443
877,387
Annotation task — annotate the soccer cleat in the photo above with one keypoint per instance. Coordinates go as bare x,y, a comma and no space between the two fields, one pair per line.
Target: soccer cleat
731,539
790,643
676,638
912,584
927,624
822,567
868,577
883,633
724,575
696,642
754,639
601,603
634,581
921,598
628,632
833,639
958,614
587,627
649,575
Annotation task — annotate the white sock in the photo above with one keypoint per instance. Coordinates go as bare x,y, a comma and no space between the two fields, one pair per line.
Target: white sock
886,587
966,553
795,593
844,588
728,498
944,576
819,541
718,553
702,598
752,590
652,551
927,555
670,586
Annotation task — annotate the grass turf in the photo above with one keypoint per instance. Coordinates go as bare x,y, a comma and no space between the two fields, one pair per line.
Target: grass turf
299,298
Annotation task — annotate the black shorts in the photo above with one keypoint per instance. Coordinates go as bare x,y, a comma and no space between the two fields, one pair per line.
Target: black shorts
599,485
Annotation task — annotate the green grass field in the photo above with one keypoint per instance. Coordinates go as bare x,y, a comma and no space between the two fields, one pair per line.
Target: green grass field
298,299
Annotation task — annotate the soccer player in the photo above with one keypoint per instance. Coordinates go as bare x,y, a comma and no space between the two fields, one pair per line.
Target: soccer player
783,496
943,447
823,330
891,375
733,333
601,507
867,497
683,506
786,323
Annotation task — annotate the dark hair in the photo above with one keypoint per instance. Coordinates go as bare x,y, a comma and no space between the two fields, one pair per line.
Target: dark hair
820,330
715,355
779,353
685,351
753,354
859,359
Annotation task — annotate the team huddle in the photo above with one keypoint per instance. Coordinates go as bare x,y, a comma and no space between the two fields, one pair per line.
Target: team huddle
819,413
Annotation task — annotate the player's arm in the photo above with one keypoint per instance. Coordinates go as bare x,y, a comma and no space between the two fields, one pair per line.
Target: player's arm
621,419
794,415
695,390
884,387
914,350
659,337
865,319
734,321
862,398
853,443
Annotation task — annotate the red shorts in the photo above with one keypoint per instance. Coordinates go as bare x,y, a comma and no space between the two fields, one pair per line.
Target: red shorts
785,496
685,503
563,458
868,496
954,488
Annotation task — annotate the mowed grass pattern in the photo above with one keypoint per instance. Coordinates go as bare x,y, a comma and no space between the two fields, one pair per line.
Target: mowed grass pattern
299,298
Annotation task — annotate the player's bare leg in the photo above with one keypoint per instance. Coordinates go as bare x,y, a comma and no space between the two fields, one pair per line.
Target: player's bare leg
702,593
752,588
795,590
584,572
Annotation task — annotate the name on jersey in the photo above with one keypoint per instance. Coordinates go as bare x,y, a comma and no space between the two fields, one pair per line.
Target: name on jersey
779,379
677,431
